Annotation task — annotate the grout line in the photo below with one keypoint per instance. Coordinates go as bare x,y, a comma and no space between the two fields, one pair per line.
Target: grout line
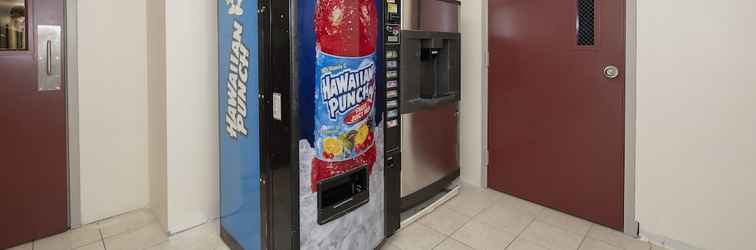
128,231
491,203
434,230
440,242
469,219
464,244
521,232
585,237
460,228
102,239
450,236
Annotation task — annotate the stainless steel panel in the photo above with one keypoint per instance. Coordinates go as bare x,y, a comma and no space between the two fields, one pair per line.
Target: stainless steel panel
430,15
439,15
49,58
410,18
429,147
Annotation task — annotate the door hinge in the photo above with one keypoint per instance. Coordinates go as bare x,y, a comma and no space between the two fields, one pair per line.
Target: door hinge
486,158
488,58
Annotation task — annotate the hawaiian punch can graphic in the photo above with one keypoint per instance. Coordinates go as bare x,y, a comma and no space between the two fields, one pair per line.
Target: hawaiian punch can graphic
346,33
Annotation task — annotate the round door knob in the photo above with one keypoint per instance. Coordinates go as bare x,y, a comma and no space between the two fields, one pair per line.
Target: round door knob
611,72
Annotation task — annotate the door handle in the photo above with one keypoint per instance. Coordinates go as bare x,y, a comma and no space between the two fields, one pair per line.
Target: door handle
49,58
611,72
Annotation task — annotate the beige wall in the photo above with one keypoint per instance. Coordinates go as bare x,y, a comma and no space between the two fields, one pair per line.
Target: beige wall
696,124
156,68
183,105
192,112
148,110
112,107
474,91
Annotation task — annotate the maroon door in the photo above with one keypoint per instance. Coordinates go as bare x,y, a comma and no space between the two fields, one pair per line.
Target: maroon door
33,177
556,120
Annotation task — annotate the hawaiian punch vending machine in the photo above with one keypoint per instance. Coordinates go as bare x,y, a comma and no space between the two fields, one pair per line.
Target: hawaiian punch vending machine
239,123
308,76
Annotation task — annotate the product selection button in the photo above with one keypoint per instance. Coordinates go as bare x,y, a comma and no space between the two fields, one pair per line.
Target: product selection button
392,64
392,74
392,54
392,84
393,8
392,104
393,39
392,114
393,123
392,94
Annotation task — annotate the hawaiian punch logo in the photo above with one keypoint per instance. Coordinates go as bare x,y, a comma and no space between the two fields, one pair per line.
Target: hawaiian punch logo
235,7
236,86
344,91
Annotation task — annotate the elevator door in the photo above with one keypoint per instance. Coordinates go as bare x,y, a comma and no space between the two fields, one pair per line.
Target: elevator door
33,171
556,104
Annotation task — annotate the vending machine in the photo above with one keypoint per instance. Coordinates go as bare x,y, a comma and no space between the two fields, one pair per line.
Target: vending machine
302,87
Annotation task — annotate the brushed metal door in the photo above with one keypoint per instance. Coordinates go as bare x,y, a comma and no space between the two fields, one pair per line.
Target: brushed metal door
429,147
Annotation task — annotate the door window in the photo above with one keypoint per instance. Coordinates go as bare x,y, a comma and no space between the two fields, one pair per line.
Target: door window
585,22
13,26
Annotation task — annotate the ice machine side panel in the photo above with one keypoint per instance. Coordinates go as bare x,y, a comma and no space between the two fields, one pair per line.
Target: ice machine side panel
238,87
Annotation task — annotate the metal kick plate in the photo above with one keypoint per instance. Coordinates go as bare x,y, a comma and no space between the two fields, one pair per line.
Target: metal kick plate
49,58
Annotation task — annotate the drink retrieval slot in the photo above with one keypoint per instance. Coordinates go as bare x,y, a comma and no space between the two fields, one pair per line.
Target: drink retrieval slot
342,194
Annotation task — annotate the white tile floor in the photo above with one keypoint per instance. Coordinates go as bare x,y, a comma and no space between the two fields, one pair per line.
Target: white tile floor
132,231
474,220
485,219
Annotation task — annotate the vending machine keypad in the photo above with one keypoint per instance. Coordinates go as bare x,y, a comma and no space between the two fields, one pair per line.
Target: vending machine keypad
392,150
392,30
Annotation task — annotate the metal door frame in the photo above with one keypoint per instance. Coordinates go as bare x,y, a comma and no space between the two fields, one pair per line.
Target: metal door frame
632,226
72,114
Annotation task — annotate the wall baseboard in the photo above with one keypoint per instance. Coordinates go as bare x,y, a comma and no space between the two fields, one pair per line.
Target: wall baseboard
666,242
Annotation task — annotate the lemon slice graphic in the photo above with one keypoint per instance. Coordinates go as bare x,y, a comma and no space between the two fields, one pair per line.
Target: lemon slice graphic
362,134
333,146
